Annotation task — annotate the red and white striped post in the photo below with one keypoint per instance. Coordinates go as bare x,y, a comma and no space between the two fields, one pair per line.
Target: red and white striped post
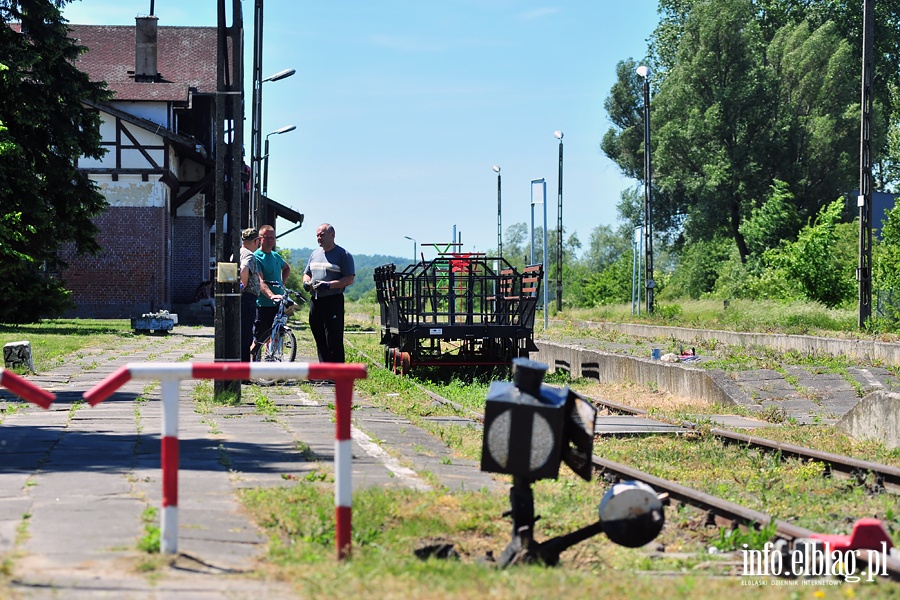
170,376
343,459
26,390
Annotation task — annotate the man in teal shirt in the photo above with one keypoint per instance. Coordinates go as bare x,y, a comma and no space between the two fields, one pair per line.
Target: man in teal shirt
272,268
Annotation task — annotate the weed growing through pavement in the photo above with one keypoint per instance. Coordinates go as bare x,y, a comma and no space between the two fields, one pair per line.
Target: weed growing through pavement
72,410
22,529
150,541
12,407
304,450
264,404
773,414
139,402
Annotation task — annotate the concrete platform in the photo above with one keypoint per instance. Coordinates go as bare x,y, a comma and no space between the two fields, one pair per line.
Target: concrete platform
807,394
79,478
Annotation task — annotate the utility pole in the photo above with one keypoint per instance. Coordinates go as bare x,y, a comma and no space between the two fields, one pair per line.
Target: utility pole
650,284
229,163
256,117
864,202
559,226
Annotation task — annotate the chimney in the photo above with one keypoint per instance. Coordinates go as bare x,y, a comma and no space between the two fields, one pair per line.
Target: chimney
145,40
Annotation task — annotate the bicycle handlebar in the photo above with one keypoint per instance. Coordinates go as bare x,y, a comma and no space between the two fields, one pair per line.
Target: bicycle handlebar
287,291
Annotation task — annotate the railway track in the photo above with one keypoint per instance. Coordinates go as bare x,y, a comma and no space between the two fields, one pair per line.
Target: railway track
719,510
887,477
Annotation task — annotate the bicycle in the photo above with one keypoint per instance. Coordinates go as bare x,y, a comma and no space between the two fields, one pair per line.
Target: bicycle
281,343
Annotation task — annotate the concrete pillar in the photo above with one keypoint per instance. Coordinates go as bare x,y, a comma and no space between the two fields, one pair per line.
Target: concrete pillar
18,354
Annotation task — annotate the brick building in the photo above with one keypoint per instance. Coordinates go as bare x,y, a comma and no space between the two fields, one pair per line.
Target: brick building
158,173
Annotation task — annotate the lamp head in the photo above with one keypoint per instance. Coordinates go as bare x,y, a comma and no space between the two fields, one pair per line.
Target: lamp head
496,168
643,71
281,130
558,135
280,75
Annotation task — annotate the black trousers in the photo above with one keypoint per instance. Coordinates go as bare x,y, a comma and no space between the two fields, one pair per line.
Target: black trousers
326,321
265,318
248,317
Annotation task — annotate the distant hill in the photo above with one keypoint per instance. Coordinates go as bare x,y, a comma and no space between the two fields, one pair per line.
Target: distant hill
365,269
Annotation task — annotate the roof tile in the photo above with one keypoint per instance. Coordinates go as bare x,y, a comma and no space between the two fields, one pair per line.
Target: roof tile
186,58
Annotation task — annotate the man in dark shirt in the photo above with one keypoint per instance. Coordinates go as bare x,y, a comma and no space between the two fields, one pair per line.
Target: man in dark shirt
329,270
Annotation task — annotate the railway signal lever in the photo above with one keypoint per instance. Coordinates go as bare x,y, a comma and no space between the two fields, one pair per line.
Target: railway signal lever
529,429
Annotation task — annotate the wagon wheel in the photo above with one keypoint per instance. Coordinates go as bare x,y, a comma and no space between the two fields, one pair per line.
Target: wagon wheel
392,360
404,363
398,362
387,357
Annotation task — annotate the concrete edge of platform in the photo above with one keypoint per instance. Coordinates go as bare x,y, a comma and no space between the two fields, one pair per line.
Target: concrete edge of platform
875,417
871,350
675,378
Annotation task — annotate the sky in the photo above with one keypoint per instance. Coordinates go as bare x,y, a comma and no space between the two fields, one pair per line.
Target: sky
402,108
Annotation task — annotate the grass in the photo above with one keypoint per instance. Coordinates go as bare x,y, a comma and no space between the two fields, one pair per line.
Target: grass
54,340
806,318
389,524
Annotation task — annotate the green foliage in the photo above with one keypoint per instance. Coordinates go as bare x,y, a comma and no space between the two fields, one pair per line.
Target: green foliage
737,539
698,268
746,94
886,266
775,221
607,246
610,286
150,542
48,204
822,260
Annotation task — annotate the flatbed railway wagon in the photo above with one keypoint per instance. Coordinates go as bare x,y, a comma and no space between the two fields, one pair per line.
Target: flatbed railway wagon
455,311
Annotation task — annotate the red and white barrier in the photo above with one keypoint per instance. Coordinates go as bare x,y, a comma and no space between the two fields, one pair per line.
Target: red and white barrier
25,389
170,376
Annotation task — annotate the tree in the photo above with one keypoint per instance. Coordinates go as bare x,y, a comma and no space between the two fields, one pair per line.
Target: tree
516,245
775,221
47,202
735,110
712,119
607,246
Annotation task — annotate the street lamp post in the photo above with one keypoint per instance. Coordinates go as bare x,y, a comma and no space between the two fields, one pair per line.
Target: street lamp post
539,188
559,226
285,129
644,72
415,249
256,119
496,169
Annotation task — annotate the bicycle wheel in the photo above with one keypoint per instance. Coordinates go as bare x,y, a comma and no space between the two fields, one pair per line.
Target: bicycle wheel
263,354
288,346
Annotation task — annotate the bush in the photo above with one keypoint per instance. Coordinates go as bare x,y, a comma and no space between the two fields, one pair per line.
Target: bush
698,268
886,268
822,259
611,285
33,296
